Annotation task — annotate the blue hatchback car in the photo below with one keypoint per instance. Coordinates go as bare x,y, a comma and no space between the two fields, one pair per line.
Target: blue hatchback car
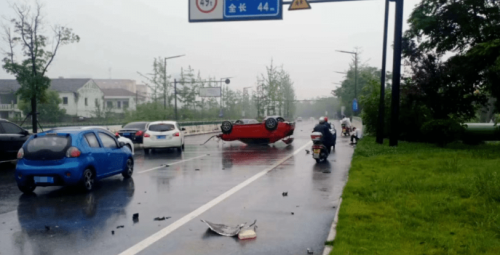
71,157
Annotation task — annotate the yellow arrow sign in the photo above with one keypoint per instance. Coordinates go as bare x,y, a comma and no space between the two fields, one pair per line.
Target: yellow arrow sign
299,5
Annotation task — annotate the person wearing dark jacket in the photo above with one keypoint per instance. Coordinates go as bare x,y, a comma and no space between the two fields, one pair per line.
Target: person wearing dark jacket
327,135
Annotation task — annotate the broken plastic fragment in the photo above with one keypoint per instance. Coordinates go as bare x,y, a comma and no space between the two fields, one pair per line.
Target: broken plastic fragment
247,234
285,194
224,230
135,217
161,218
121,226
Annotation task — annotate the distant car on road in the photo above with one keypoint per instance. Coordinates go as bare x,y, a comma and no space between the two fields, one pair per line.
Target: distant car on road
71,157
299,119
134,131
128,142
12,137
271,130
163,134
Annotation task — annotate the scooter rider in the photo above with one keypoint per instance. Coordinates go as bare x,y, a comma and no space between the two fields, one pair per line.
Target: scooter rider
327,135
345,121
327,124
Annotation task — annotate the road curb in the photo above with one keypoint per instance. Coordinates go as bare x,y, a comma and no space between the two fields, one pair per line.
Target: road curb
333,231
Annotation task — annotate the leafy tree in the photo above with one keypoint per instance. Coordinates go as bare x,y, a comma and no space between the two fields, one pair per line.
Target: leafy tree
469,31
27,31
159,83
50,110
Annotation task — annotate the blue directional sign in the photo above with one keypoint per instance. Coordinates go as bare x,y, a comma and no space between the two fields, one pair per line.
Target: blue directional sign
234,10
253,9
355,106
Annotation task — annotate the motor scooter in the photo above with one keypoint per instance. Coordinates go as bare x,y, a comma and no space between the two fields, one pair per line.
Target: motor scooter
346,131
319,150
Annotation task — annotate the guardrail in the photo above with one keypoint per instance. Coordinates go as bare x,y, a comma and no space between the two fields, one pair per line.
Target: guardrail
27,125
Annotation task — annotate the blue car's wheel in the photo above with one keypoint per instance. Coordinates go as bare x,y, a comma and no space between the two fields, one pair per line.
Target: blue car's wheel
27,188
88,180
129,169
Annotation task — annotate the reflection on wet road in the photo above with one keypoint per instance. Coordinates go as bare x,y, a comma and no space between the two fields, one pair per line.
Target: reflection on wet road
167,183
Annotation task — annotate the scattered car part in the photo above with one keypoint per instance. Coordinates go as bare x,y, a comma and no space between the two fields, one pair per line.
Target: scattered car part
161,218
224,230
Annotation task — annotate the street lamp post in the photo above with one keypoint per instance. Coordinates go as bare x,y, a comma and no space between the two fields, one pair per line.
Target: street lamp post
355,70
165,82
227,81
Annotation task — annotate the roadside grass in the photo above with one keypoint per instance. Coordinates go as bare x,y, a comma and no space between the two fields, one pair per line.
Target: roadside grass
421,199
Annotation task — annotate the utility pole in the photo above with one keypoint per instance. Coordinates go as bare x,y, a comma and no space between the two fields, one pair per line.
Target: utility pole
355,72
381,107
165,80
396,70
175,98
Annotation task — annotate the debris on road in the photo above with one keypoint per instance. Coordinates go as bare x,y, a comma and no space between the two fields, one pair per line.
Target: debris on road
224,230
112,232
197,169
307,151
47,228
135,217
121,226
162,218
248,232
293,213
165,165
285,194
309,251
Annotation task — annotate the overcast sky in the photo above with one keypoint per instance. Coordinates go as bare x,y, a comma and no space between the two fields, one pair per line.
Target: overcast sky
125,35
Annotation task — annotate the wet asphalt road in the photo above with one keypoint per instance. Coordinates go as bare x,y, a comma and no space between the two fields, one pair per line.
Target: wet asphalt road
67,221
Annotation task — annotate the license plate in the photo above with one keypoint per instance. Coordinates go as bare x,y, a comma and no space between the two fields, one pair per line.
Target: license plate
126,134
43,179
161,137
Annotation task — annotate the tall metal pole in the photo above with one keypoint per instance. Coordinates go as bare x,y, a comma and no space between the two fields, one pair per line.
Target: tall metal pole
175,98
381,107
355,77
165,87
396,70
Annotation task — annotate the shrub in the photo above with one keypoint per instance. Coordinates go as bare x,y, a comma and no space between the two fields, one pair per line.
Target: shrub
442,132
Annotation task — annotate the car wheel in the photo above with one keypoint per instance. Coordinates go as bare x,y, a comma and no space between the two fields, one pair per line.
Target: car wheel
27,188
129,169
146,151
226,127
88,180
182,147
271,124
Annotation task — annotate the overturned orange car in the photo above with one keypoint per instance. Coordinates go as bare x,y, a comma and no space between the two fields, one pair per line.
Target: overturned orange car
250,131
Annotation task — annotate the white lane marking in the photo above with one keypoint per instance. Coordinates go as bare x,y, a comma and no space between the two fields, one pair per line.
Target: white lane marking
170,228
174,163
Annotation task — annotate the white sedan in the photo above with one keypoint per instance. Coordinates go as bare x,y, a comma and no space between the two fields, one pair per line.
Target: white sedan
163,134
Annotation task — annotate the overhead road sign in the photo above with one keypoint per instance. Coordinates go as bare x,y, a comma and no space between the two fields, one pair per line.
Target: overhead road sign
234,10
210,92
299,5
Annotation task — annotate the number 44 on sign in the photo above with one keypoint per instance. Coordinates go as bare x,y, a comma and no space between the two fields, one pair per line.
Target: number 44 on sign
299,5
264,7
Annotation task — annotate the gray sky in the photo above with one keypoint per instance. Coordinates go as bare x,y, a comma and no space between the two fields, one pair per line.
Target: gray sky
125,35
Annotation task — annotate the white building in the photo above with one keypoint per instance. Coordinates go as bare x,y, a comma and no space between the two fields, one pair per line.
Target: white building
80,97
119,100
8,99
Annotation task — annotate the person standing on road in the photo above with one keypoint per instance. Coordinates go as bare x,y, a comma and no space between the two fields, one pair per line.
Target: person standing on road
327,135
354,135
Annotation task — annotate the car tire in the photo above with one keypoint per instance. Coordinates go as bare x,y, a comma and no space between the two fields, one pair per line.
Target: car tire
182,147
271,124
129,169
88,180
226,127
27,188
146,151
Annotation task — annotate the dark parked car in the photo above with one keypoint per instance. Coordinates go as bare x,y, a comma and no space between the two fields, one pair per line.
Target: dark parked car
12,138
134,131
